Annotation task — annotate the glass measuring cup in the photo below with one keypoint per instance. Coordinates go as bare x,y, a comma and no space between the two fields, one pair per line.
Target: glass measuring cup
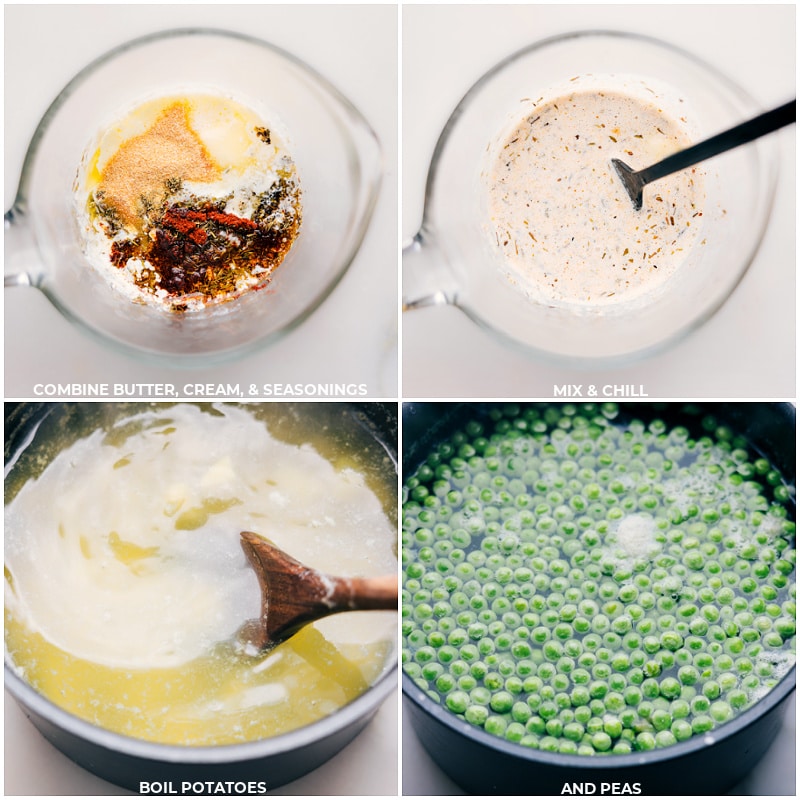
338,160
450,260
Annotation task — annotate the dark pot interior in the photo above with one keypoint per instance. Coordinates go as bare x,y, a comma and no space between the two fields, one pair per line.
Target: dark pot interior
483,764
127,762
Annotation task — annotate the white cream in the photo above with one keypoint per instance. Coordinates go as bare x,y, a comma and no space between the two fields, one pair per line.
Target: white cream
563,227
128,554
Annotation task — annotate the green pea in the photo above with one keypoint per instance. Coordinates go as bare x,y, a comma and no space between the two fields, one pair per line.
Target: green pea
671,640
670,688
645,741
721,711
554,727
688,675
598,689
665,738
572,731
712,689
737,698
601,741
612,726
661,719
680,709
681,730
548,710
458,702
476,715
495,725
501,702
702,724
700,705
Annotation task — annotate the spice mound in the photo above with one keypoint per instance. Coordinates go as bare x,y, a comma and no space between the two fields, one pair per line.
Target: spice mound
188,201
560,221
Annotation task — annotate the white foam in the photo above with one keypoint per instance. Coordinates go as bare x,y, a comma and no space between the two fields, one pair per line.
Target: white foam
636,536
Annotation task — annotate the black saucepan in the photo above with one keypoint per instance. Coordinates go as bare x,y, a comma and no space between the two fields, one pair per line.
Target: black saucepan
126,761
484,764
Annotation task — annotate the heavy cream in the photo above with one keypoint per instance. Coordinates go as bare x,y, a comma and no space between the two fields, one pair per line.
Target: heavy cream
560,221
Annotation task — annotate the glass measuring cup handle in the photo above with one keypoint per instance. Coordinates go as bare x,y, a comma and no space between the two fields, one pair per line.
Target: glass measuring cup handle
426,279
22,266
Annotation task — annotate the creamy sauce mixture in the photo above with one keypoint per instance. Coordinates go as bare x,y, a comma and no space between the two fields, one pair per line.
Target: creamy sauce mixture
188,200
126,585
560,219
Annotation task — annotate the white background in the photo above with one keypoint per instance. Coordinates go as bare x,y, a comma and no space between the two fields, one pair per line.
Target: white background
748,348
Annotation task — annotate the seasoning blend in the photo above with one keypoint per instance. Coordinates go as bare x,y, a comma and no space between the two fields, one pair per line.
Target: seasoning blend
188,201
560,220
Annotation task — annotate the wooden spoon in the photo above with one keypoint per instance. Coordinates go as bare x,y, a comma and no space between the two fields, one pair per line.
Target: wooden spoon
293,594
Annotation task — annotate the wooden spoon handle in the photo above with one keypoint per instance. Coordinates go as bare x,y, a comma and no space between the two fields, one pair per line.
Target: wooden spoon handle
366,594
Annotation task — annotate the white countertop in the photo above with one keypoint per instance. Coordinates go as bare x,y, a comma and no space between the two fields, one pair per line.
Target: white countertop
352,337
748,349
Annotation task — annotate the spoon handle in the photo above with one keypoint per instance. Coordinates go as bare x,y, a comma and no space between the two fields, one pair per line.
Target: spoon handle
366,594
745,132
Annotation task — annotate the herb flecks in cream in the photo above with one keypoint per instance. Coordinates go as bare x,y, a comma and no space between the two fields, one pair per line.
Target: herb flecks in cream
565,228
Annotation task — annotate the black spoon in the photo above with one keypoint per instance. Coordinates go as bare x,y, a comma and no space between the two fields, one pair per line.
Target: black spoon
634,181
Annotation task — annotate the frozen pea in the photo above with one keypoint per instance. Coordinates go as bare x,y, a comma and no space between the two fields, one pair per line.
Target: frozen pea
645,741
495,725
661,719
702,724
476,715
501,702
737,698
458,701
665,738
601,741
720,711
670,688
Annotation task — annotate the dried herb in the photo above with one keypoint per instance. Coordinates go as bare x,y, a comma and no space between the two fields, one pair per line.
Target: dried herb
196,248
173,185
98,207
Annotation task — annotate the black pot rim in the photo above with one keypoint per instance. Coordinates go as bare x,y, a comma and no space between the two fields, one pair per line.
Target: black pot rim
611,762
